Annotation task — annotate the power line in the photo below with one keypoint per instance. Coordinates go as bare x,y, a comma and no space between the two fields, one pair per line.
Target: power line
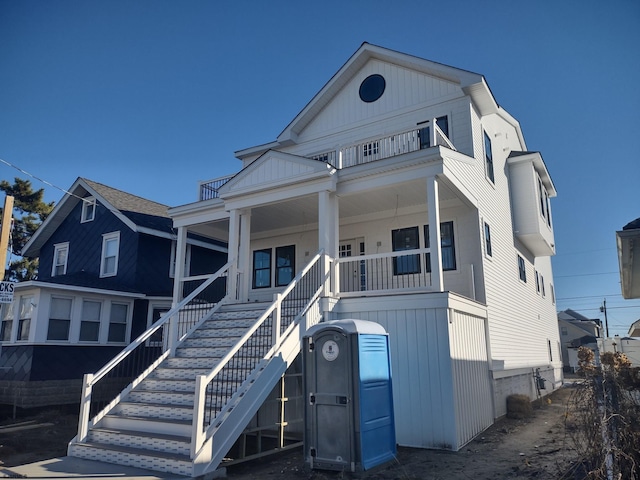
585,274
39,179
590,296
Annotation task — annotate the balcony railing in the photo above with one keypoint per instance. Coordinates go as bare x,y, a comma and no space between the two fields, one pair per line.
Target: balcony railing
208,189
385,147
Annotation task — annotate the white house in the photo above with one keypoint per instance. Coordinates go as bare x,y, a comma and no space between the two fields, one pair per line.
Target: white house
576,331
333,220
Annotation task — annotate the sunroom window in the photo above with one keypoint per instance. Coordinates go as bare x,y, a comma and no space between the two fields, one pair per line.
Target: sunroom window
59,319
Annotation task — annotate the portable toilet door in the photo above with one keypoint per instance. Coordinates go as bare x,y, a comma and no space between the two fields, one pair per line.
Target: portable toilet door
349,409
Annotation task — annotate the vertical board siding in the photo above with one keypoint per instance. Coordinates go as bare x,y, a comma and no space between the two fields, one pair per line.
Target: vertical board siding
423,393
471,378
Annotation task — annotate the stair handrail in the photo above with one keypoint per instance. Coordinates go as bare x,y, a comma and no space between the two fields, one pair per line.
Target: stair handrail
198,435
91,379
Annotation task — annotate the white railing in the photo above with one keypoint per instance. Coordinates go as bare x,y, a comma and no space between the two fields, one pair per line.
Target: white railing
426,136
406,269
216,390
139,357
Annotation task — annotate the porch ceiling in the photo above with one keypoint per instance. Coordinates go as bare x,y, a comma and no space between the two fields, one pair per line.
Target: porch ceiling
303,211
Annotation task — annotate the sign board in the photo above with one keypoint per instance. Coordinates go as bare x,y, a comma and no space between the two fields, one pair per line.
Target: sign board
6,292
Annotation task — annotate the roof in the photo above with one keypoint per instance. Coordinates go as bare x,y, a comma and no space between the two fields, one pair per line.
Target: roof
139,214
472,84
633,225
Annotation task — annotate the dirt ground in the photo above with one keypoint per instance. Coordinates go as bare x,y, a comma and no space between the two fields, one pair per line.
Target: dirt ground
532,448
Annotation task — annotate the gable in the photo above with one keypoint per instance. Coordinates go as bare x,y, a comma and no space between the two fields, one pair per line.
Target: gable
404,88
272,170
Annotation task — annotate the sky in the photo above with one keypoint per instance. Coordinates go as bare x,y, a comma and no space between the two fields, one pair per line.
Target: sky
152,96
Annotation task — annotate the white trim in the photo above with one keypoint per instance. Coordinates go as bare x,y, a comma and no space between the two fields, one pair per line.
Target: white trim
89,206
60,247
107,237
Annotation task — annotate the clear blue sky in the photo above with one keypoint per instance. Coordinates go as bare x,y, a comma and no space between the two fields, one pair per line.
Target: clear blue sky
152,96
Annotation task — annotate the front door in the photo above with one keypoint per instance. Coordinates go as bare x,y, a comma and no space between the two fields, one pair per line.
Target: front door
352,273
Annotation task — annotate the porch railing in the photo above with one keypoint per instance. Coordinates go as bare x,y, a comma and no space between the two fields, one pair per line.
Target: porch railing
101,389
406,269
208,189
260,343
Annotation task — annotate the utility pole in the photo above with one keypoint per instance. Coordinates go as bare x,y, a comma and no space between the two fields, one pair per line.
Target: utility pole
5,230
603,308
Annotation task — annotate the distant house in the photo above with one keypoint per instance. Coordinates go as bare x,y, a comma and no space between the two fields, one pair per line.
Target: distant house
576,331
627,345
106,270
634,329
628,240
403,194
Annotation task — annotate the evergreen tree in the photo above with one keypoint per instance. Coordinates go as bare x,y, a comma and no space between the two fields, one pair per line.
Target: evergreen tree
29,213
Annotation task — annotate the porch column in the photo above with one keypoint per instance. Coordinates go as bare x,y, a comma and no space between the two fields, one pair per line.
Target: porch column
328,233
232,253
180,259
433,205
244,256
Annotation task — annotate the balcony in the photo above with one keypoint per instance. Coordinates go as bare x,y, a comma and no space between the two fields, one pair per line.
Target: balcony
380,148
385,147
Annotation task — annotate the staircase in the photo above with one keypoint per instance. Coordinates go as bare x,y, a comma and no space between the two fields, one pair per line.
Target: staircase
207,386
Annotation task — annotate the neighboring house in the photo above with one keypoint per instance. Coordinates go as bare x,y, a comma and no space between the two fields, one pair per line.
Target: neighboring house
105,275
628,240
634,329
402,194
576,331
627,345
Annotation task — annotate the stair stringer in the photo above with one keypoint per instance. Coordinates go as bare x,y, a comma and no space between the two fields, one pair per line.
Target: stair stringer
235,421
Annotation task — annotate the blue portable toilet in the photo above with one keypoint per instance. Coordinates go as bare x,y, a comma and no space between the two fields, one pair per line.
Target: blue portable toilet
349,423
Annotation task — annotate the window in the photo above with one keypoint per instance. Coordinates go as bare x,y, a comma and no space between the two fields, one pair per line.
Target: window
88,209
522,271
25,314
285,265
447,246
487,240
537,282
545,206
118,322
7,322
60,255
370,149
553,294
424,134
405,239
488,157
563,330
110,247
90,322
550,353
542,285
59,319
262,268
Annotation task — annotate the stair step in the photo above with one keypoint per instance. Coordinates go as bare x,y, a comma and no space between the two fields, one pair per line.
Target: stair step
196,352
133,457
152,425
160,397
166,384
157,442
184,370
212,342
154,410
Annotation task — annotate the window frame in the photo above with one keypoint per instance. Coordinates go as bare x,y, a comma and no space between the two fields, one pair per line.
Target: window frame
291,265
85,321
24,322
59,321
488,248
106,238
6,322
443,248
112,322
424,133
488,158
88,214
406,264
57,249
522,269
255,270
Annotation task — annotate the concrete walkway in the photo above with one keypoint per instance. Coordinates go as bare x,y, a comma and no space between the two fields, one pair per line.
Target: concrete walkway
71,467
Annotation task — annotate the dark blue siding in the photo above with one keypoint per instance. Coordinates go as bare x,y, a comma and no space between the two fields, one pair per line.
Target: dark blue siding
152,271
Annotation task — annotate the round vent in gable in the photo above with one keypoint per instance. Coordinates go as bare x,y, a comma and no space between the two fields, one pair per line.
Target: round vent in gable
372,88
